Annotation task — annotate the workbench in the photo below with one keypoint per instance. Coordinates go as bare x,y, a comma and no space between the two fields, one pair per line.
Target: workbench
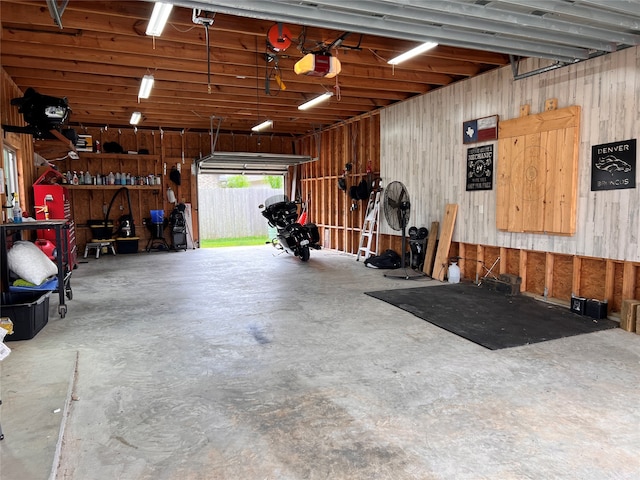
62,244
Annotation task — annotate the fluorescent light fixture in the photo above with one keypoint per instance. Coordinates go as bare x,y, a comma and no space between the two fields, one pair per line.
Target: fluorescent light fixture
159,18
412,53
314,101
135,118
145,86
263,125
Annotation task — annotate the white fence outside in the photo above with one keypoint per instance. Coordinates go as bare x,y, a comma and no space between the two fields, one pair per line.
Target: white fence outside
233,212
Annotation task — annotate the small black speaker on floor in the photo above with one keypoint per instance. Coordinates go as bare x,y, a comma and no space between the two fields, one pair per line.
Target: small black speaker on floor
596,308
578,304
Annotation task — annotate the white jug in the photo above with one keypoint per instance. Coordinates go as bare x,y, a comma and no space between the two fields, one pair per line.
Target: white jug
454,273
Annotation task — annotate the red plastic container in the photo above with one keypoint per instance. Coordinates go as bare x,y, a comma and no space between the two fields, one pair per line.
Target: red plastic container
48,247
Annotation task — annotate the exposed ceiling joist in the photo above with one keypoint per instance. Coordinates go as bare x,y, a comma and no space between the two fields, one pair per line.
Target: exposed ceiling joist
98,59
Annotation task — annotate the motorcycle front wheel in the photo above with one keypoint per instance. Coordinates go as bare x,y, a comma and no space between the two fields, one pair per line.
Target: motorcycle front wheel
304,253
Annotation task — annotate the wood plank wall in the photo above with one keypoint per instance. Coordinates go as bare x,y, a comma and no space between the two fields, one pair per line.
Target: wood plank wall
419,142
421,145
22,144
339,217
166,149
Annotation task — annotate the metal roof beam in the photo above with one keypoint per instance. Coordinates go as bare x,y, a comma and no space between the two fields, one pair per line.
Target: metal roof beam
626,7
614,19
530,25
305,15
485,17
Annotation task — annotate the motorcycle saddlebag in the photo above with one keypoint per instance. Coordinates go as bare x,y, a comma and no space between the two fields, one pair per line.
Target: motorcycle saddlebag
314,234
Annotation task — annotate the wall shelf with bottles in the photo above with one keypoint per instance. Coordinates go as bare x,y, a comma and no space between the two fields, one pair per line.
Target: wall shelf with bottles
113,187
144,184
108,169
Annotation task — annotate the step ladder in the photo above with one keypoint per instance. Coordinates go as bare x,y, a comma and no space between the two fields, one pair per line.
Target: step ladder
370,226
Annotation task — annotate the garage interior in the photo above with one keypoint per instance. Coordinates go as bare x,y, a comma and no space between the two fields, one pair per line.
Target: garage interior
236,363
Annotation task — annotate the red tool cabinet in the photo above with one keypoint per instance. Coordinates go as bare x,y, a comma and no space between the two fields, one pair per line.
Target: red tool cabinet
50,193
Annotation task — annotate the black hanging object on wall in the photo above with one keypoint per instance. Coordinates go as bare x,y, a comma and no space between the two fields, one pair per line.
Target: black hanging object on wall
175,176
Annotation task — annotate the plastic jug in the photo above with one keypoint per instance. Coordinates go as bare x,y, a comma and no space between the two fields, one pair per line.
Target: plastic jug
454,273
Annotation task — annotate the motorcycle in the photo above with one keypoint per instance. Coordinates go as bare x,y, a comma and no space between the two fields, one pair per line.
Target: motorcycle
292,236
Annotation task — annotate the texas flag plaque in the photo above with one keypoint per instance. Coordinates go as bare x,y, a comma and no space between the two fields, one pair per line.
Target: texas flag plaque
480,130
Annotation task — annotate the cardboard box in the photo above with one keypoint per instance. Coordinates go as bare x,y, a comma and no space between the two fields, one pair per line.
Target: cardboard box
29,312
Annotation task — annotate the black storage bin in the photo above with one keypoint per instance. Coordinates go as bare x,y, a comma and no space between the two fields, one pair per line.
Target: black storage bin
29,312
596,309
127,245
100,229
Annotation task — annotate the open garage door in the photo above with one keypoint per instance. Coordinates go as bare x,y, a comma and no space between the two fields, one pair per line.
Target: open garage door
233,212
244,163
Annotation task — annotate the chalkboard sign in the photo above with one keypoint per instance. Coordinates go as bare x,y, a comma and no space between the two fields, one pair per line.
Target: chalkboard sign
613,165
480,168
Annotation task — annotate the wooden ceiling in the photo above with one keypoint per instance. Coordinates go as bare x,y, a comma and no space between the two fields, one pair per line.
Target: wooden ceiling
98,57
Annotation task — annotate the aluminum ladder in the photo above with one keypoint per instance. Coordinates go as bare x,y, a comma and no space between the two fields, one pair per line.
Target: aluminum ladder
370,226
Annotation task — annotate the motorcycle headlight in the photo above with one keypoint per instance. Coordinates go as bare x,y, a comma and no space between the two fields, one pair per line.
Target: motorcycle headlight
55,113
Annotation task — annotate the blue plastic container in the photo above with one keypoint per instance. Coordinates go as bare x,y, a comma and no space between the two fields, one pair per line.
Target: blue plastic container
157,216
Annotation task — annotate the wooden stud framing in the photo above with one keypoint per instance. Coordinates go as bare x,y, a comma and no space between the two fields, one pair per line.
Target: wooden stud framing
575,282
462,261
523,270
609,279
629,280
548,277
503,261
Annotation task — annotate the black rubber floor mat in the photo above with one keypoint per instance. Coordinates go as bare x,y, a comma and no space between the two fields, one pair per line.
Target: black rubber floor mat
489,318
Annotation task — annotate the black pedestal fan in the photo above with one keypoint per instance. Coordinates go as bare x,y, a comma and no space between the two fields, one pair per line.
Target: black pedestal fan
397,211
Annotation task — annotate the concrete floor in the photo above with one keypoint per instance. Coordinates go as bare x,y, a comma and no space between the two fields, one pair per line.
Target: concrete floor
235,364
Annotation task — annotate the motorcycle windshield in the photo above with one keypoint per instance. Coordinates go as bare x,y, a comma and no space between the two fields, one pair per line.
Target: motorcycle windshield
275,199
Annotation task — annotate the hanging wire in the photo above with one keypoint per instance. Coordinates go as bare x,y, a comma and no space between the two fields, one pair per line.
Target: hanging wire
206,22
337,85
393,67
257,82
206,32
274,73
183,31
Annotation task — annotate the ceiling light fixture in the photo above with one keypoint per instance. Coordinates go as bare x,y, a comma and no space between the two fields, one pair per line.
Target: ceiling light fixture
135,118
262,126
412,53
145,86
314,101
159,18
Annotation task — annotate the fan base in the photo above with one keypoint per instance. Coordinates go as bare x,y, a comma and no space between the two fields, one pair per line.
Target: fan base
406,274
